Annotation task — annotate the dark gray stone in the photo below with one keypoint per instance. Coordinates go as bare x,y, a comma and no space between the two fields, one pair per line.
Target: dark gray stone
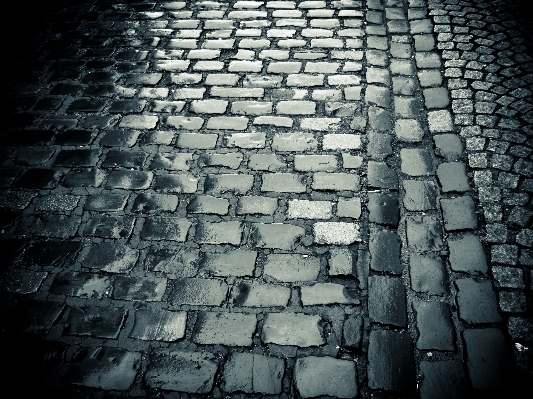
443,379
467,254
419,195
459,213
477,301
384,247
383,209
391,364
424,233
253,373
95,321
427,274
387,301
381,176
435,326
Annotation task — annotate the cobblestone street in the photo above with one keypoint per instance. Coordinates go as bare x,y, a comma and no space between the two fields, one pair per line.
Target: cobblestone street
283,199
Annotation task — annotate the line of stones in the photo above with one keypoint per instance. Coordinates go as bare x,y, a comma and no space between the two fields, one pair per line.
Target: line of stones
482,347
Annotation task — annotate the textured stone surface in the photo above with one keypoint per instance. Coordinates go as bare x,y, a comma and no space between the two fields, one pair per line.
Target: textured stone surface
248,372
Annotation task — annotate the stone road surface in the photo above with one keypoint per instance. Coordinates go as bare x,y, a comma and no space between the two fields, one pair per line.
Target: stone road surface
286,199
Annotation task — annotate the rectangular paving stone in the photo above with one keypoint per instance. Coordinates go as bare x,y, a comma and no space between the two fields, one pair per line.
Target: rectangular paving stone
459,213
50,225
258,295
139,122
383,209
256,205
443,379
96,321
85,285
477,301
486,358
424,233
336,233
467,254
232,329
233,263
335,181
314,163
198,291
253,373
316,376
420,195
224,183
176,183
387,301
230,160
208,204
165,228
21,281
435,326
341,262
158,325
279,121
245,140
341,142
416,162
297,329
327,294
110,257
292,267
77,158
452,177
148,289
276,235
384,247
283,183
201,141
195,374
104,368
227,123
179,261
219,233
294,142
184,122
305,209
391,364
295,108
427,274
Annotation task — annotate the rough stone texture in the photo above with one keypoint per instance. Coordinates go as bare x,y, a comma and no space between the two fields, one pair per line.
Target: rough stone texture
442,380
328,376
467,255
459,213
384,247
434,326
327,294
233,329
276,235
338,233
486,357
477,301
419,195
391,362
387,301
191,372
292,267
232,263
253,373
159,325
427,274
292,329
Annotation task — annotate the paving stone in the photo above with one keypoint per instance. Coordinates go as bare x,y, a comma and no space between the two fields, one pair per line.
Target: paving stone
139,122
295,108
336,233
379,145
295,329
452,177
224,183
32,316
50,225
129,179
341,262
192,372
294,142
305,209
38,179
424,233
246,140
477,301
508,277
209,106
150,203
408,130
419,195
232,329
139,289
105,202
381,176
459,213
467,254
85,285
219,233
341,142
387,301
257,295
327,294
253,373
434,326
96,321
176,183
276,235
352,331
440,121
208,204
198,291
391,364
111,258
486,357
335,181
315,376
427,274
292,267
202,141
229,160
104,368
227,123
314,163
279,121
349,208
283,183
504,253
384,247
165,228
233,263
257,205
519,328
416,162
444,379
77,158
21,281
383,209
184,122
436,97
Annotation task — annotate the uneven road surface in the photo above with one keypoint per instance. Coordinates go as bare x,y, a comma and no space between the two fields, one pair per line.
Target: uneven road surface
282,199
